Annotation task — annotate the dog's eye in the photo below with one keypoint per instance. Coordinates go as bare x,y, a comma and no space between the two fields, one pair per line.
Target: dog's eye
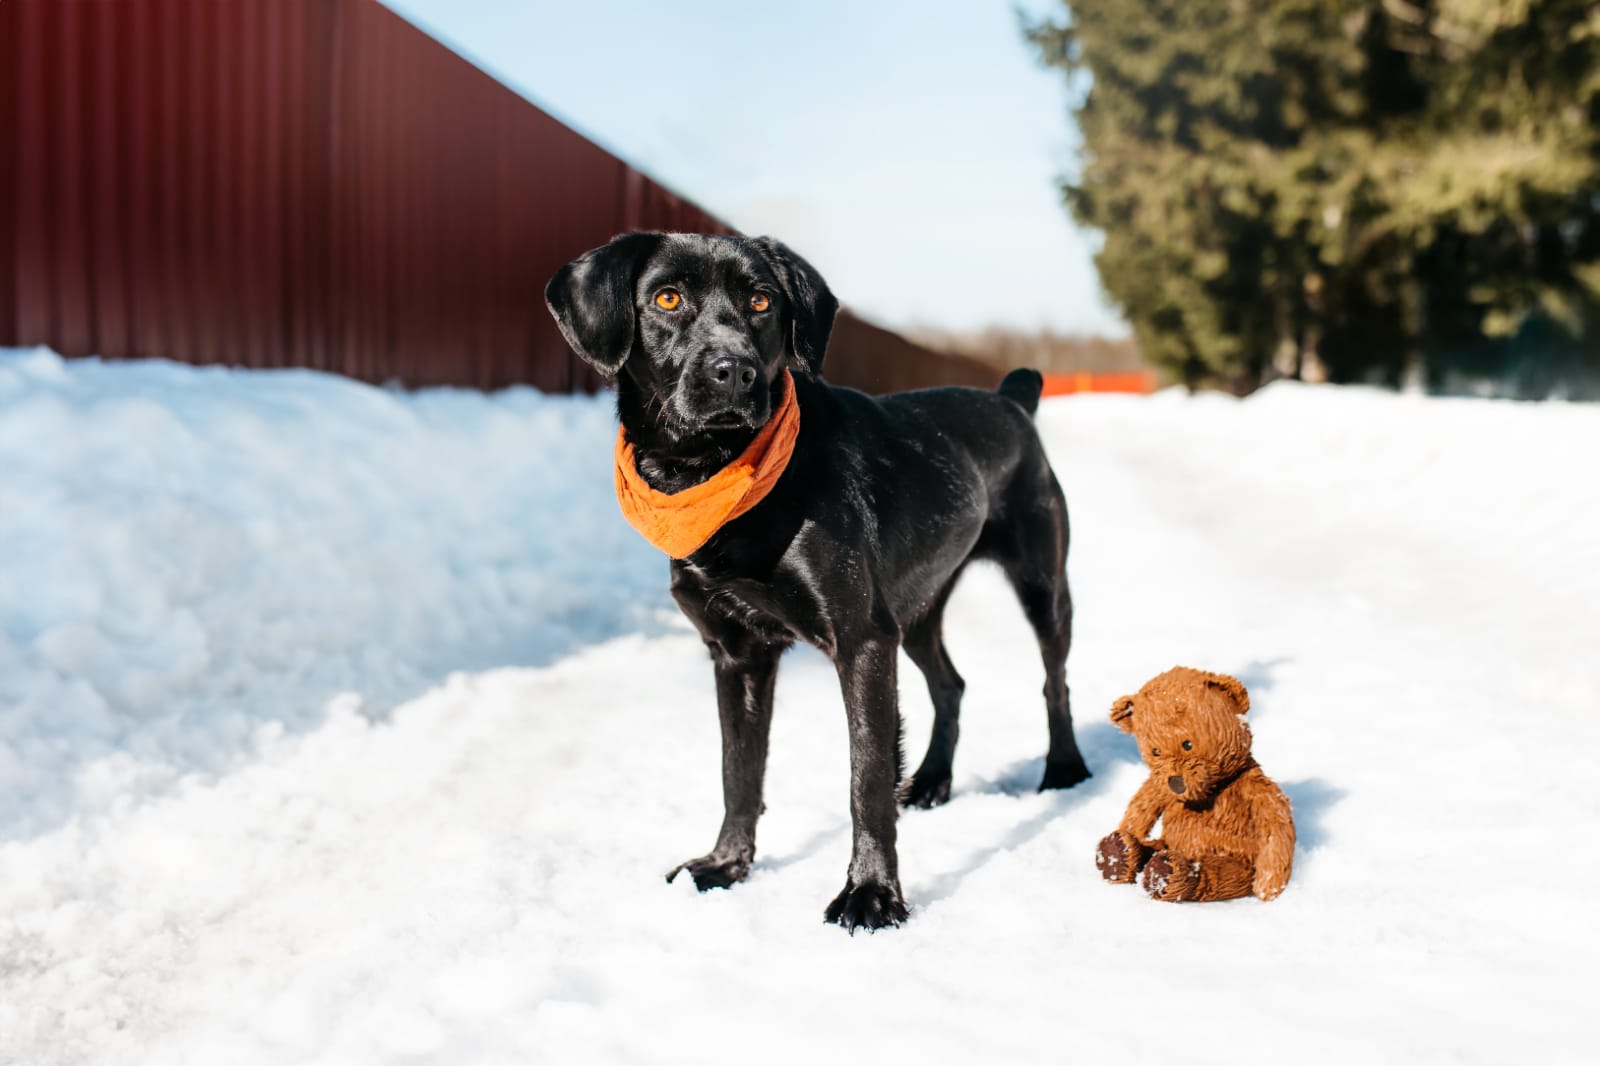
759,301
1188,745
669,299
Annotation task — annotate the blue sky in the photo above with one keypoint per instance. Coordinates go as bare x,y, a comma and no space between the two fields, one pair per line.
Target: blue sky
909,149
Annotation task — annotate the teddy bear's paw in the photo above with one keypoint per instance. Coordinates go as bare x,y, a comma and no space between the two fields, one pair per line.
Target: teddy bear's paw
1117,861
1171,878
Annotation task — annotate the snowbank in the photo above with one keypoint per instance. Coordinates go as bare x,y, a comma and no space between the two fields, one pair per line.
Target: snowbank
1407,585
192,553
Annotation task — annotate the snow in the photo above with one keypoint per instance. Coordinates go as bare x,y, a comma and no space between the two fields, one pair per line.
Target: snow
192,555
346,726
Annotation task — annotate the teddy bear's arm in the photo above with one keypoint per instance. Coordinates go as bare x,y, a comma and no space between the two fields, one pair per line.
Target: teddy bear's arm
1143,811
1121,856
1274,821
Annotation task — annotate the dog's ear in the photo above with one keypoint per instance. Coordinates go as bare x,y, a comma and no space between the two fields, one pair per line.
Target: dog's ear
811,304
1122,713
592,299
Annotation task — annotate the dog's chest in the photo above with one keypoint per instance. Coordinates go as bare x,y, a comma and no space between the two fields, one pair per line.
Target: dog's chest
730,610
731,606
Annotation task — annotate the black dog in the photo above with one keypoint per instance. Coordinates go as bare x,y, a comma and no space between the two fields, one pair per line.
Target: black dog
856,549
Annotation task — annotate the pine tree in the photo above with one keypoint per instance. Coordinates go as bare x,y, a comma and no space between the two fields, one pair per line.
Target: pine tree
1345,188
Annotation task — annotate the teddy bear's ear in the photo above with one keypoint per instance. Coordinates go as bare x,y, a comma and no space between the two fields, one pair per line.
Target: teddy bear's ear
1122,713
1231,687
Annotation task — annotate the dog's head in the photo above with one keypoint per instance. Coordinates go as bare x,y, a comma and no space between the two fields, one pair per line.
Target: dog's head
701,325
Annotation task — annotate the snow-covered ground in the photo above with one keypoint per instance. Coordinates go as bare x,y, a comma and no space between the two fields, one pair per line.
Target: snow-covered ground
342,726
188,556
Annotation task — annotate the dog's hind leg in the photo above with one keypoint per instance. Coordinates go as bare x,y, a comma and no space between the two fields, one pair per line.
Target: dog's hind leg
1034,557
1063,763
924,643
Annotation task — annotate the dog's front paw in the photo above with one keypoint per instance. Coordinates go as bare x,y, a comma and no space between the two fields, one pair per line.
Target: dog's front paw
1171,878
925,790
1118,858
871,905
714,871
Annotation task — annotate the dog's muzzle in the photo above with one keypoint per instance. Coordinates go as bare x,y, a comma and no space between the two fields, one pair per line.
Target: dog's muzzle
725,389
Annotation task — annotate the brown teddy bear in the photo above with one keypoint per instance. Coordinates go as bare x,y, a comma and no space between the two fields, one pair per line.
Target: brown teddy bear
1226,829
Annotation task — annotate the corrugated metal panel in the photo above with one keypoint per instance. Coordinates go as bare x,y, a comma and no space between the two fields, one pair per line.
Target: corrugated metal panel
10,121
867,357
305,183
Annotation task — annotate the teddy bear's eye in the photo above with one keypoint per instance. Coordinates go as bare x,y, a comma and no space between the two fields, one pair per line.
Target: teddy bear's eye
1188,745
1155,753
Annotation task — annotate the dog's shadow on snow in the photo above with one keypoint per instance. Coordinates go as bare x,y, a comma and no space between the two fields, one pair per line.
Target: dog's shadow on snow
1103,746
803,851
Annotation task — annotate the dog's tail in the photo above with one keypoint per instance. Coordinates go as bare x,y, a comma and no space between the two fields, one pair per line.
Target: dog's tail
1023,386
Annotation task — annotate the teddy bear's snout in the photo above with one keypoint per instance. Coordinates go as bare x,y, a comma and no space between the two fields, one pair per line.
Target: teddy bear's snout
1176,783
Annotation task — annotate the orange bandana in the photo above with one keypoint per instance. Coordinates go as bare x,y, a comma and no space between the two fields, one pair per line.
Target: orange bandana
680,522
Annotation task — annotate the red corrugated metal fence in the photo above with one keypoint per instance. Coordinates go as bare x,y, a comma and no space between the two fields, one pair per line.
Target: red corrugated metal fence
872,359
296,183
308,183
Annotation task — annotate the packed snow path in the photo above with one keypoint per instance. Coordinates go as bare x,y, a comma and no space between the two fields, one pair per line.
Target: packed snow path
208,856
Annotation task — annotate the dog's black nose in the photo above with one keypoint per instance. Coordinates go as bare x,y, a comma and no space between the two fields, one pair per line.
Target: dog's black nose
730,375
